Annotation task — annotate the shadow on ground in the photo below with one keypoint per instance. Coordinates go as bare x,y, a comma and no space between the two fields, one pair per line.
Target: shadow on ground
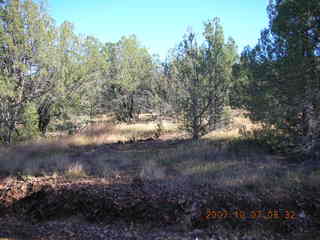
159,184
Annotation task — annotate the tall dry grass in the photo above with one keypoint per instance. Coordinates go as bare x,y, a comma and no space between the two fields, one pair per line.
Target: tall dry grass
223,164
221,157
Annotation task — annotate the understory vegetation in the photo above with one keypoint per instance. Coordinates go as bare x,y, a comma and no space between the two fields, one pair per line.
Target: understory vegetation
204,145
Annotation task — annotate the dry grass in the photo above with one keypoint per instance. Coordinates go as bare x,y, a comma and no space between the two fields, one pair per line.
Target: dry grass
75,170
106,133
239,123
52,155
221,158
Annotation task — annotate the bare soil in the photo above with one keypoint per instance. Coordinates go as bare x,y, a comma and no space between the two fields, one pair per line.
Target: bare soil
126,206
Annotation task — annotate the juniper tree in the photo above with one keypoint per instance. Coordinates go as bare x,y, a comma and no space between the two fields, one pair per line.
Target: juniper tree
127,87
26,72
80,66
202,75
283,86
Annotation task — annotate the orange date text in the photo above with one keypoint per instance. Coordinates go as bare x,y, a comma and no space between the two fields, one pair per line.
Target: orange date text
253,215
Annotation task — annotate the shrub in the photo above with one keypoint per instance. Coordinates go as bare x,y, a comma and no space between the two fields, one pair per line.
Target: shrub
29,122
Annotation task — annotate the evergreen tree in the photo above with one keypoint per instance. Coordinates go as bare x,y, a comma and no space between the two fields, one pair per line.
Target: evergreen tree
128,86
26,71
202,75
283,87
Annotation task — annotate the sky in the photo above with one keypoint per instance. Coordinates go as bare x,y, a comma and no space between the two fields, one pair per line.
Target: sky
160,25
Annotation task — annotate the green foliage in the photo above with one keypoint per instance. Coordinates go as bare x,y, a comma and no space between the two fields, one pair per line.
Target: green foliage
202,77
129,86
46,65
270,138
26,70
63,75
30,122
226,118
279,78
135,67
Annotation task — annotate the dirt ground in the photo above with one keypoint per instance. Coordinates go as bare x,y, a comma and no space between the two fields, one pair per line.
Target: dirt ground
164,188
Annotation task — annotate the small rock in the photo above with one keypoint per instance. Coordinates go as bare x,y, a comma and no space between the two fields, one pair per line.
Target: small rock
128,235
197,232
302,215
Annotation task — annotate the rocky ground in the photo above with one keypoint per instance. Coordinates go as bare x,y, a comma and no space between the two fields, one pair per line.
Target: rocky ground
89,208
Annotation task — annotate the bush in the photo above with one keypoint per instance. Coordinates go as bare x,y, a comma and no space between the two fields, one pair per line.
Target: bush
270,138
30,123
225,119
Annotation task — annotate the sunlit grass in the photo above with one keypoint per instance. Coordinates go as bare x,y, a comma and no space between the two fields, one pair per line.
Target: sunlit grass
218,158
238,123
75,170
212,167
108,132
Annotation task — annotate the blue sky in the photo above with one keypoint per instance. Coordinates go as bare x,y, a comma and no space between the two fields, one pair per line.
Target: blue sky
159,25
